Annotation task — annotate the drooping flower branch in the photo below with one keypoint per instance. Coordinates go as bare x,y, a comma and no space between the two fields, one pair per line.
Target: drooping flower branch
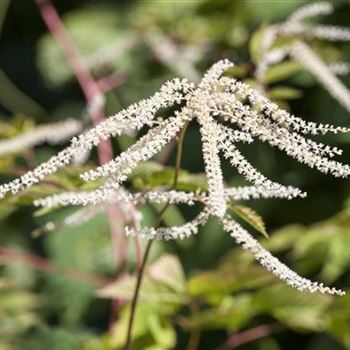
241,236
162,195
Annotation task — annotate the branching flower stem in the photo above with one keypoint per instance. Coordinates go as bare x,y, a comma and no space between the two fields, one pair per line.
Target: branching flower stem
141,270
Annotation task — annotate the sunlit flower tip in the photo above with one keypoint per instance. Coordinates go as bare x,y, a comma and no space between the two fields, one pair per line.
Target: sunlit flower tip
214,73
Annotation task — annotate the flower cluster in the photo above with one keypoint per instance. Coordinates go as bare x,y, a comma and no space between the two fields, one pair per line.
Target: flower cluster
228,112
296,28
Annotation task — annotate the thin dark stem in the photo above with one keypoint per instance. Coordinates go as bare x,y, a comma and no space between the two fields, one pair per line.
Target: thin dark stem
194,339
179,155
136,294
140,272
195,334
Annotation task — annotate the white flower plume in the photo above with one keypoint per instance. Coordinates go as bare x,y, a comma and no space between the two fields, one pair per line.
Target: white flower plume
216,99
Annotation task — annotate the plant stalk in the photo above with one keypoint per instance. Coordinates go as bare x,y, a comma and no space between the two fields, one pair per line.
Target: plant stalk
140,272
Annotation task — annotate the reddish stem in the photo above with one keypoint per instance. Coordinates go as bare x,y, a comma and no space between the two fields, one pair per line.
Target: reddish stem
92,94
58,31
238,339
110,82
8,255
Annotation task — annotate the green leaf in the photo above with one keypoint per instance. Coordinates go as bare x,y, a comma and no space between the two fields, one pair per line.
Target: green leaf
18,309
16,126
172,216
284,238
300,311
168,271
6,209
152,330
151,291
338,320
281,71
238,71
228,278
273,11
251,217
85,247
232,313
162,332
57,337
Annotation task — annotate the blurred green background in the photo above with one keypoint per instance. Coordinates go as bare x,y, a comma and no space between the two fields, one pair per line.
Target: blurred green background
217,292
